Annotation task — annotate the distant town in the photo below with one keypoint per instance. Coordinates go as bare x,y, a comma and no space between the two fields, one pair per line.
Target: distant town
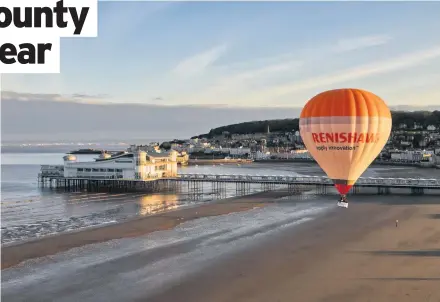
414,140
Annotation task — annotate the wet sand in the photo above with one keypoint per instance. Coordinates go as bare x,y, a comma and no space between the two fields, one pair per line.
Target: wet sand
15,253
349,255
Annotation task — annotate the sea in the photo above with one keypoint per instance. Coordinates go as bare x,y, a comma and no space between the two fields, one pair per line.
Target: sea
29,211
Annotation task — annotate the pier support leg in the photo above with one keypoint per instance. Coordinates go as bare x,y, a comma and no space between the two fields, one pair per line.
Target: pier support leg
417,191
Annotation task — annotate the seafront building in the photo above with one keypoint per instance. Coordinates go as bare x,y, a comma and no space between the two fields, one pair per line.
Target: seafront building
135,165
293,154
412,155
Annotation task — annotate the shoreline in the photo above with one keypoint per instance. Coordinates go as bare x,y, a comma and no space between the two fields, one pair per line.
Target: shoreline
17,252
202,162
375,163
193,162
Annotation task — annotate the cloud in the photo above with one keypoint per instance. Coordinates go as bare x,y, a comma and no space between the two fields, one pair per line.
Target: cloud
362,71
101,122
258,61
289,61
89,96
198,63
413,81
21,96
264,71
342,45
117,21
158,99
239,79
359,43
420,97
239,82
76,98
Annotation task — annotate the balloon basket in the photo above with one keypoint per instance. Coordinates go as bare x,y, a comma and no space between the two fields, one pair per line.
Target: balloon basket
343,204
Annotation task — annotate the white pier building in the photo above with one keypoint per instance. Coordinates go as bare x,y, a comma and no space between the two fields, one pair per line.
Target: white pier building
136,165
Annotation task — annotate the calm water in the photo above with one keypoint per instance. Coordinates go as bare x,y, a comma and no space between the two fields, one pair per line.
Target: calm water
29,211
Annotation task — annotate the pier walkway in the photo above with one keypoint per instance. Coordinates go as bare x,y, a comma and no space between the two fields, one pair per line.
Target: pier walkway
312,180
318,184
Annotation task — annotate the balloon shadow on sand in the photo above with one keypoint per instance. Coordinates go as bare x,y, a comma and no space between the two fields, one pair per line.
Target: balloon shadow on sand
414,253
401,279
396,199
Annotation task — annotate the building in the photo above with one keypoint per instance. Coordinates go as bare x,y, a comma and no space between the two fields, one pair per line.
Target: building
124,165
239,151
417,126
411,156
294,154
153,147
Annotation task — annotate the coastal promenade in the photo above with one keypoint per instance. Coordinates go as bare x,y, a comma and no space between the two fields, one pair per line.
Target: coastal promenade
207,161
417,164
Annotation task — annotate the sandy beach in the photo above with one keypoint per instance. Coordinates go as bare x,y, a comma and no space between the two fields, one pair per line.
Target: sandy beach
353,255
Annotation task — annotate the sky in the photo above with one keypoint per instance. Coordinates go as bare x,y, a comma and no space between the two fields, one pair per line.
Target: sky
247,54
178,69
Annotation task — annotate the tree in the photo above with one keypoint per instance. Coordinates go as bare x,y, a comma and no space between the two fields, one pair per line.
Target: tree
416,141
165,146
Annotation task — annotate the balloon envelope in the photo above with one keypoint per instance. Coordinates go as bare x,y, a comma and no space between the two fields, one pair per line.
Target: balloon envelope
344,130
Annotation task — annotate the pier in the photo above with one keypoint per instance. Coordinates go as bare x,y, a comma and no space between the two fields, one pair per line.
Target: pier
310,180
108,185
320,184
52,177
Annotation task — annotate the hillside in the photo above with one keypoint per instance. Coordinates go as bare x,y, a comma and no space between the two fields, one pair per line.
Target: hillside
424,118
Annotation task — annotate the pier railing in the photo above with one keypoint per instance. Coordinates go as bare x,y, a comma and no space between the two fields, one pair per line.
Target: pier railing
51,171
362,181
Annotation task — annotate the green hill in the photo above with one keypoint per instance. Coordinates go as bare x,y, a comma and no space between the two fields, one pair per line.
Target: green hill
424,118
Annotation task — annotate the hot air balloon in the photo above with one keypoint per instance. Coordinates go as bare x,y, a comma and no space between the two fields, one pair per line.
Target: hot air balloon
344,130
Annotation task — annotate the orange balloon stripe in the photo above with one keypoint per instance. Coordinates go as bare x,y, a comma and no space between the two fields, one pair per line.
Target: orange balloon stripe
307,121
346,102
